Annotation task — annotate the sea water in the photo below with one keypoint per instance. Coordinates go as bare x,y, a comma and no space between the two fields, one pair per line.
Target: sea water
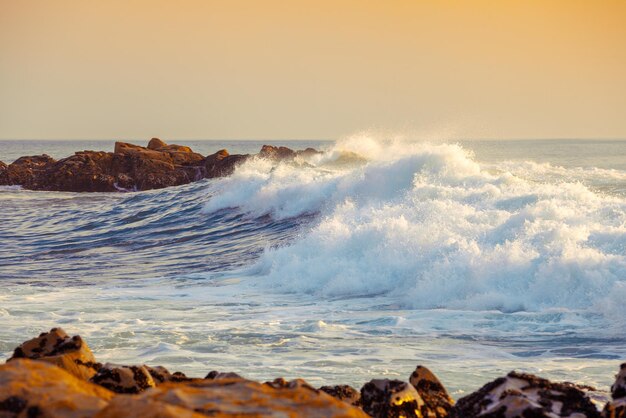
473,258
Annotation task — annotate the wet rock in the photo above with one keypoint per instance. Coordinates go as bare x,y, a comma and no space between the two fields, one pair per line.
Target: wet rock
224,375
276,153
232,398
3,173
344,393
56,347
222,163
27,172
525,395
37,389
161,375
617,407
437,400
281,383
124,379
384,398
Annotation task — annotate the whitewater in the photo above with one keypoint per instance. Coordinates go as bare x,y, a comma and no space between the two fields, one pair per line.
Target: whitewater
380,253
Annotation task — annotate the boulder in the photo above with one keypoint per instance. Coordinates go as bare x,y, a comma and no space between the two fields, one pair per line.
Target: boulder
222,163
617,407
56,347
437,400
4,179
161,375
276,153
156,143
231,398
344,393
392,398
124,379
27,172
37,389
525,395
222,375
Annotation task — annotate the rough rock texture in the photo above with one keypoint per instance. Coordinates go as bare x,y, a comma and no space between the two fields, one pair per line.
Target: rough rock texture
344,393
161,375
129,168
222,163
236,398
276,153
222,375
433,393
124,379
38,389
58,348
617,407
391,399
525,395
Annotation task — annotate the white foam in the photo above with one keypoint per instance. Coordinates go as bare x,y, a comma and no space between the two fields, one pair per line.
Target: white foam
429,226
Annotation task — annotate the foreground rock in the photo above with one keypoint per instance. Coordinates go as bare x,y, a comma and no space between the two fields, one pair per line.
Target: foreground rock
38,389
231,398
617,407
56,347
129,168
525,395
55,375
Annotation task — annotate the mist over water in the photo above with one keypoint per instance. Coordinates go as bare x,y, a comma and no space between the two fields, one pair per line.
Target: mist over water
472,258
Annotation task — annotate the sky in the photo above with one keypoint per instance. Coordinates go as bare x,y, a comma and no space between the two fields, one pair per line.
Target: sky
300,69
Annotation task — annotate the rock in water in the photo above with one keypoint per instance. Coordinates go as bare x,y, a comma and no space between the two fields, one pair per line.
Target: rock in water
276,153
222,163
525,395
124,379
231,398
58,348
156,143
617,407
37,389
161,375
433,393
384,398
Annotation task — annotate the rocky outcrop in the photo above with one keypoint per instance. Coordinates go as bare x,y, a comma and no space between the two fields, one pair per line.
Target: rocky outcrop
124,379
128,168
435,396
56,347
617,407
55,375
39,389
391,398
525,395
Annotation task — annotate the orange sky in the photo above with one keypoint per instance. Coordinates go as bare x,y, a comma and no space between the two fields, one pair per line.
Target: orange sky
311,69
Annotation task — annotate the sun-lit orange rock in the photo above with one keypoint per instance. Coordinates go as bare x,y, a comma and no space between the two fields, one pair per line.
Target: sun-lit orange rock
233,398
38,389
56,347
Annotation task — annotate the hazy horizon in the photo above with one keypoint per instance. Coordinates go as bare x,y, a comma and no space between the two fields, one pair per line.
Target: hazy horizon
82,70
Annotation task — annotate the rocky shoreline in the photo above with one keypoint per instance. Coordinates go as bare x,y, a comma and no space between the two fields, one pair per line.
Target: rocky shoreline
129,167
55,375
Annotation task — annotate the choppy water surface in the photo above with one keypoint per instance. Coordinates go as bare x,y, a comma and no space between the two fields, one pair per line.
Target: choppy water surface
472,258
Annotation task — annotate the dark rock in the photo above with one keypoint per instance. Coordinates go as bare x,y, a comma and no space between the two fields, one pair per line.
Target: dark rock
386,398
161,375
343,393
3,173
124,379
433,393
58,348
28,172
225,375
222,163
281,383
617,407
276,153
525,395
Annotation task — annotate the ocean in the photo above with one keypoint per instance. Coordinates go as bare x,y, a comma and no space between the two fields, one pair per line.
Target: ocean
472,258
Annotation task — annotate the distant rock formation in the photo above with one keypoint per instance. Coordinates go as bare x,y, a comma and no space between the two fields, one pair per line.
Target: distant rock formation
129,168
